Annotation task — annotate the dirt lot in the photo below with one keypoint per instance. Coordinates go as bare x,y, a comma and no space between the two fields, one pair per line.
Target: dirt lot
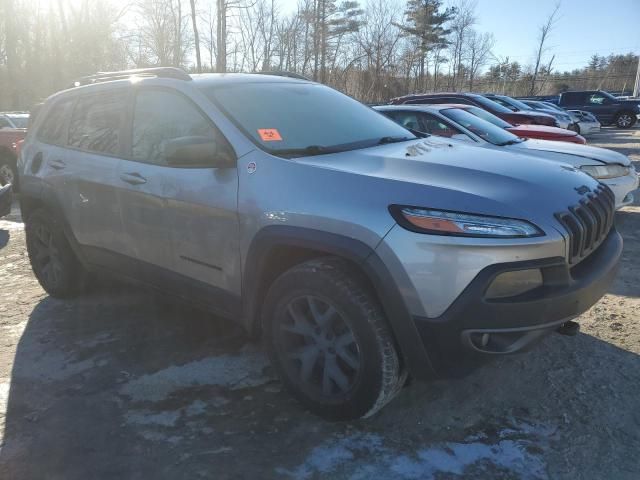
123,384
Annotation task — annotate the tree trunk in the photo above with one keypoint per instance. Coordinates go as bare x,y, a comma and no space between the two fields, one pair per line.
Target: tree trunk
196,37
221,37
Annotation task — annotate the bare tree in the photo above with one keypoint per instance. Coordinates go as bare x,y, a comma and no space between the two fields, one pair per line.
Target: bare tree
479,47
196,37
545,31
460,26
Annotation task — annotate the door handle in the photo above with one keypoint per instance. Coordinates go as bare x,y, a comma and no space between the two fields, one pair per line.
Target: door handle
57,164
133,178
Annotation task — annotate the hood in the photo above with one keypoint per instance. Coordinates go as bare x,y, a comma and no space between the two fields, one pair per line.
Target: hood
579,152
542,130
436,173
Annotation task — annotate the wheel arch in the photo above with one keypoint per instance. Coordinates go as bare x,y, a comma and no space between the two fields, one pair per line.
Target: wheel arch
277,248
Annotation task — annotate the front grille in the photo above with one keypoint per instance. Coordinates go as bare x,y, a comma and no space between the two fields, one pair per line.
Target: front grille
589,222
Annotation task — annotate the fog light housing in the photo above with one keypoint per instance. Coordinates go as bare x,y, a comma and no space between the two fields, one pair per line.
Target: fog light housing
517,282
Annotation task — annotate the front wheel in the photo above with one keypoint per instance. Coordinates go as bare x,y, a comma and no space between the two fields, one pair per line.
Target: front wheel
329,341
625,120
8,174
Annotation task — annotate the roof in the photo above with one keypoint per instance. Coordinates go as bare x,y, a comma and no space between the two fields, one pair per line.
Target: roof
423,107
219,79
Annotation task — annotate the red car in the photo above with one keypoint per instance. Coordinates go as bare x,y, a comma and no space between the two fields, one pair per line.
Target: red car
528,117
526,131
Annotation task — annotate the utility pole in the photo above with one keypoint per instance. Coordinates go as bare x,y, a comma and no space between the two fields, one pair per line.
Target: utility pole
636,87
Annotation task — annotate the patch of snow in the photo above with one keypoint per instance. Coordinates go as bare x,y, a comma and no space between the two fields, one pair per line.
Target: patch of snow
363,456
230,371
145,417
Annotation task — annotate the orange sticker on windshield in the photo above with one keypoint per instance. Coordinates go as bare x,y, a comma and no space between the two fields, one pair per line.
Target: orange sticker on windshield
269,134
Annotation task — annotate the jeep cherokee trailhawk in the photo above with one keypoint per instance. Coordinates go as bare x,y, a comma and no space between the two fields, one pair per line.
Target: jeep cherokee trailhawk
359,252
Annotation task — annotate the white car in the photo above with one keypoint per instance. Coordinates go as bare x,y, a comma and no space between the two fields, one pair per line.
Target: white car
611,168
587,123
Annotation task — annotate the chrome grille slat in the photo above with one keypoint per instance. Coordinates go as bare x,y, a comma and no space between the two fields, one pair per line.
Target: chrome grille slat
588,223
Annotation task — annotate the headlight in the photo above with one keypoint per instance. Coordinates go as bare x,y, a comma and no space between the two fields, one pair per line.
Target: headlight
602,172
443,222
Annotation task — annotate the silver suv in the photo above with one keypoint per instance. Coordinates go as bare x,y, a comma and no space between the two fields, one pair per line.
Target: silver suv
360,252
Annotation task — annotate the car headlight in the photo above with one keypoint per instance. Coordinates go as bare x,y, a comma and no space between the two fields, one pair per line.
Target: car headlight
443,222
602,172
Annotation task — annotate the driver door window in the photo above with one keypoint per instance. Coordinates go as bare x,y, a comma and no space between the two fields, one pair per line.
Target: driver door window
597,99
436,127
161,116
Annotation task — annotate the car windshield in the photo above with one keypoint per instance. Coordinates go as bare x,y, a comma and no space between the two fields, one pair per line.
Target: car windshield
516,103
490,104
485,130
489,117
20,121
552,106
302,119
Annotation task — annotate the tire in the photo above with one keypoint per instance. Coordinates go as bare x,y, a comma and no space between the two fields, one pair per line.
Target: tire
8,174
625,120
53,262
340,363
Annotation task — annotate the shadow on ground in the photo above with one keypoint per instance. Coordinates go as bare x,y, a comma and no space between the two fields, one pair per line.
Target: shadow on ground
4,238
122,384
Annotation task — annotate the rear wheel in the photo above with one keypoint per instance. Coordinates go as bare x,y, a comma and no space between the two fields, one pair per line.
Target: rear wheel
625,120
53,262
329,341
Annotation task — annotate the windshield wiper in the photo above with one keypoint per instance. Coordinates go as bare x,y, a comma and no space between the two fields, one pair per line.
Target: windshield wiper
385,140
510,142
305,151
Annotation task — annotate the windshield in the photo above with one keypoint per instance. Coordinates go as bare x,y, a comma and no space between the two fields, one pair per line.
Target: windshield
20,121
485,130
301,119
488,117
552,106
490,104
512,103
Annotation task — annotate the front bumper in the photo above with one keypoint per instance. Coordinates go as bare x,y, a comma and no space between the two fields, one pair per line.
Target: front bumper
456,340
6,197
588,128
622,188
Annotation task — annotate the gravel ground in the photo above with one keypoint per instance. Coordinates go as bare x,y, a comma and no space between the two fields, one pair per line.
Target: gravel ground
123,384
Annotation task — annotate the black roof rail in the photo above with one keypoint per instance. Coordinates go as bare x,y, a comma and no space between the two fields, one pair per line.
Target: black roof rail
284,73
161,72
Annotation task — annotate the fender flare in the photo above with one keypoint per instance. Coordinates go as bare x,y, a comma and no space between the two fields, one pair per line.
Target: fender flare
409,342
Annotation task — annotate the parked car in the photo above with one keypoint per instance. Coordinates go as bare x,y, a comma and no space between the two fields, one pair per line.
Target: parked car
611,168
358,251
14,119
6,198
515,118
9,136
526,131
563,116
563,120
606,108
587,122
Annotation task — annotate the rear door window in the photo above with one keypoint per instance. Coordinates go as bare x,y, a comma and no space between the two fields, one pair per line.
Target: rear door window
97,122
53,128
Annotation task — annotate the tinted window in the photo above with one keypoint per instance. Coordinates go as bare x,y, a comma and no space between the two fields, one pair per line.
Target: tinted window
300,119
489,104
19,121
504,103
161,115
53,126
574,98
482,128
4,123
406,119
437,127
96,122
489,117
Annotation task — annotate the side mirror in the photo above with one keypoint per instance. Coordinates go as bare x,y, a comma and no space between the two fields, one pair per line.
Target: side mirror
197,152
